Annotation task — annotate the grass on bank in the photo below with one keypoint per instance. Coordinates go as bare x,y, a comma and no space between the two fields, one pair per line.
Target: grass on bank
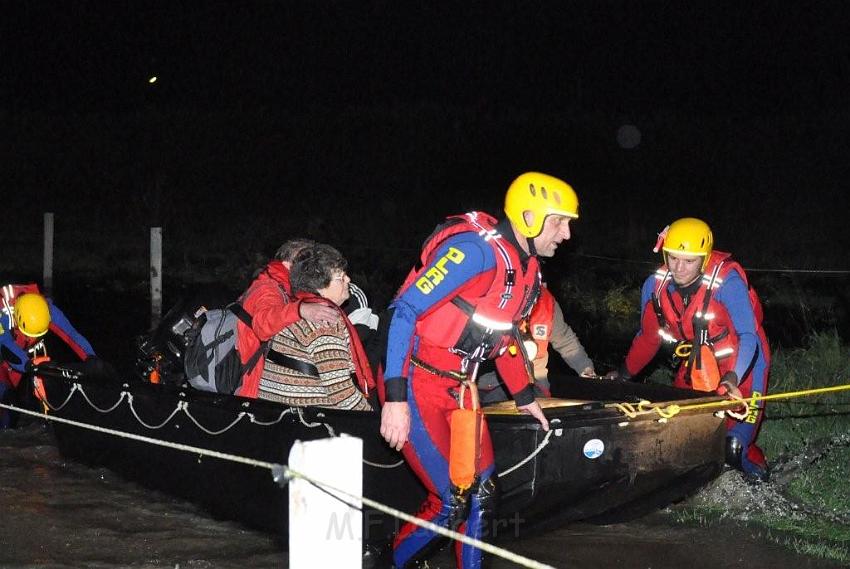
798,424
806,505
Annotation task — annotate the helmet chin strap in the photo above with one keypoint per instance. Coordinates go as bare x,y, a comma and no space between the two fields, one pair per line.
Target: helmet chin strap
532,250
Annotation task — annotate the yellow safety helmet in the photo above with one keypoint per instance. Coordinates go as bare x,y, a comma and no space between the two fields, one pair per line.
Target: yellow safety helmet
32,315
689,236
542,195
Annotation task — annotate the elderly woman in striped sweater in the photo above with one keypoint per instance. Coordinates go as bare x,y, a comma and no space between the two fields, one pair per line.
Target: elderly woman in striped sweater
318,364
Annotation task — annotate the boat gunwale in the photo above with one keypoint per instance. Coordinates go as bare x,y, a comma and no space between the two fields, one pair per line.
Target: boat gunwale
586,413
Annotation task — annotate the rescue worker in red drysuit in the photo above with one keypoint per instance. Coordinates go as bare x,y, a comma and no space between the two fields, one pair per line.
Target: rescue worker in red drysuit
25,317
272,307
702,297
479,279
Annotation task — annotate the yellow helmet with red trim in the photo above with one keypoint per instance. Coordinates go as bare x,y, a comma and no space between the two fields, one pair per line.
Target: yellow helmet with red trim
689,236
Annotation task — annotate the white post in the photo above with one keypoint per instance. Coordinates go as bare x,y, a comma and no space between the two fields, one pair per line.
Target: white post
156,275
48,253
324,531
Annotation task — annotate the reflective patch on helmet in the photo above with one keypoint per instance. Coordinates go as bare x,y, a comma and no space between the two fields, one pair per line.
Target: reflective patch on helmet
540,331
593,449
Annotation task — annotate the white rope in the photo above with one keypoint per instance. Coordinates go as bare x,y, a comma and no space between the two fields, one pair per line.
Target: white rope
376,465
180,405
492,549
279,469
209,431
739,416
618,259
142,438
333,434
74,388
748,269
536,451
256,421
300,412
803,271
105,409
184,407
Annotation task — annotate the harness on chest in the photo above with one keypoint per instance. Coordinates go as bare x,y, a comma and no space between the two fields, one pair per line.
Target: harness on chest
698,355
483,327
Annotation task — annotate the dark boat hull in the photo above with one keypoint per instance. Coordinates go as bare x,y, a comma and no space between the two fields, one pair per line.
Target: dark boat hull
643,464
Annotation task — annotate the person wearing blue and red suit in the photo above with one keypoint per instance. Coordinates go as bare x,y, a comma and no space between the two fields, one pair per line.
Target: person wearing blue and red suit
479,278
25,317
702,297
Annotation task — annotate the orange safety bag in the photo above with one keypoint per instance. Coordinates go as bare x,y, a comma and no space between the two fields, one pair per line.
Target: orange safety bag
465,443
705,375
38,384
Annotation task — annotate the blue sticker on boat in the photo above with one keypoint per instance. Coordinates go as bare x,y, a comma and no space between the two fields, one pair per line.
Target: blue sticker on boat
593,448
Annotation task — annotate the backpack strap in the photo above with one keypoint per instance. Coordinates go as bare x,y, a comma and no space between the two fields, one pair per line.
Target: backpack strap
242,314
255,357
239,311
246,318
289,362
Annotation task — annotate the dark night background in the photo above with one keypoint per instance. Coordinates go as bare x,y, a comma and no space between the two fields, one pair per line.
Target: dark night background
364,123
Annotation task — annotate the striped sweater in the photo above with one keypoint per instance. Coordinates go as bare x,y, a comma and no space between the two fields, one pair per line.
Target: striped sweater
327,347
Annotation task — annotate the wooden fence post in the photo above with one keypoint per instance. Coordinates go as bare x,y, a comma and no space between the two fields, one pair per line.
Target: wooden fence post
156,276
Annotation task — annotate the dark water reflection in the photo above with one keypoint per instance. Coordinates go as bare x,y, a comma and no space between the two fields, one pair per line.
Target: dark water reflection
58,514
55,513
